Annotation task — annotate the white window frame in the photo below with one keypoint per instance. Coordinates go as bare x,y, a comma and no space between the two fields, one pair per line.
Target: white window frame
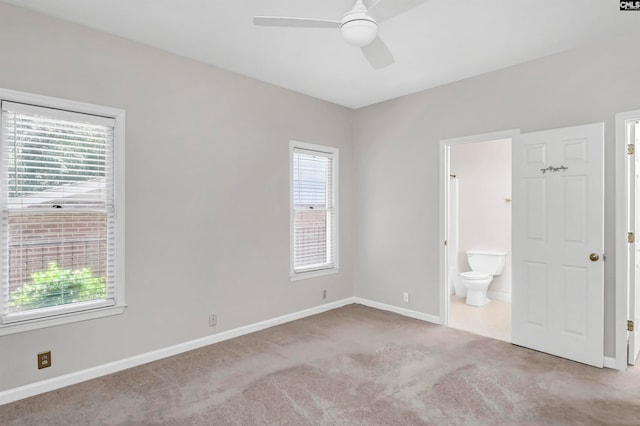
333,153
84,311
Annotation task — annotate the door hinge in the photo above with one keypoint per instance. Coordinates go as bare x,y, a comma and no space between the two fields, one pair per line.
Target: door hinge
630,325
631,149
631,237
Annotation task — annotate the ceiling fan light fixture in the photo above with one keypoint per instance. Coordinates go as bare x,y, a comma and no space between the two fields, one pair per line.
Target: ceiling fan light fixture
359,32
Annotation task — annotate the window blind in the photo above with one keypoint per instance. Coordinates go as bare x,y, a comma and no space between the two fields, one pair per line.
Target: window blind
58,212
314,224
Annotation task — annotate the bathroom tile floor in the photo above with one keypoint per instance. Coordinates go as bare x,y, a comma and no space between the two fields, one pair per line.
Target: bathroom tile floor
491,320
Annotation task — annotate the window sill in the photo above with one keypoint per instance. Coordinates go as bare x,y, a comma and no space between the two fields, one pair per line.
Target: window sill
38,323
312,274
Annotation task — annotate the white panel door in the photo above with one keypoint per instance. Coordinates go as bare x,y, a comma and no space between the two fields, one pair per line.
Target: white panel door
632,127
558,223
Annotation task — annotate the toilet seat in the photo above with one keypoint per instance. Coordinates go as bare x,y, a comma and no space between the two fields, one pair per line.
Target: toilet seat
475,275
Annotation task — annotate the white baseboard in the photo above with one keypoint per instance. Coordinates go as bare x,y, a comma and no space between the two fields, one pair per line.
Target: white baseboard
398,310
499,295
609,362
54,383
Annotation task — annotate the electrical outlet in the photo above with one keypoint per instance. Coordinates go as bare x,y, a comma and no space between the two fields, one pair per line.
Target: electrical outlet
213,320
405,297
44,359
324,294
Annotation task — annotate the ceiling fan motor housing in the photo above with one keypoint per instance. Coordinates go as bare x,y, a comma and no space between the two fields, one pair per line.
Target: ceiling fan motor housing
358,28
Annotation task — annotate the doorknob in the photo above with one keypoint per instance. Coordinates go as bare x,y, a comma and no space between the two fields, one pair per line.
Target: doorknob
594,257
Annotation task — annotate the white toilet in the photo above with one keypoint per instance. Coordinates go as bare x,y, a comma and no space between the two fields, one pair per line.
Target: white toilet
485,264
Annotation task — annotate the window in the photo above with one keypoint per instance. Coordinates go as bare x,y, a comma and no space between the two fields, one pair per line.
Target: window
61,194
314,210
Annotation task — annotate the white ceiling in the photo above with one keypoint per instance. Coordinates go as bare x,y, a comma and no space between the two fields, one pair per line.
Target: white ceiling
434,43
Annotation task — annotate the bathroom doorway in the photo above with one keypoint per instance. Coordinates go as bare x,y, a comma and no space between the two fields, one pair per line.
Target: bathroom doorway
476,205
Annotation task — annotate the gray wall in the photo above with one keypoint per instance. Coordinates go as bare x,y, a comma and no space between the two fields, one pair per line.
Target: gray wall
396,159
207,209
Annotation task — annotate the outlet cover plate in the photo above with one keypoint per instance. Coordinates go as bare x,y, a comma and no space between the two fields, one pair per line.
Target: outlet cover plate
44,359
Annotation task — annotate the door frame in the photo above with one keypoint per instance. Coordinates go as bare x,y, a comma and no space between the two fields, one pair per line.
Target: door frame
623,279
445,171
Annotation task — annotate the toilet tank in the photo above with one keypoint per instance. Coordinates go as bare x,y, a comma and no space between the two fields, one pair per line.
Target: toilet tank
487,261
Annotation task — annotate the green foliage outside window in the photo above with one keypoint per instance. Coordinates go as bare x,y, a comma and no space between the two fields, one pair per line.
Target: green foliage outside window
57,286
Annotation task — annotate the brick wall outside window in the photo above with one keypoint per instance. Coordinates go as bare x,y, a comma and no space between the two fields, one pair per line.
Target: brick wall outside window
72,241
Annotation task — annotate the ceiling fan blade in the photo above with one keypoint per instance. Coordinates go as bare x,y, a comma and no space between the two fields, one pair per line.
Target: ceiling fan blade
378,54
381,10
370,4
279,21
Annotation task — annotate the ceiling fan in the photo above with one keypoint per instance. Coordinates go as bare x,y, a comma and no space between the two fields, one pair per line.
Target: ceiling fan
358,26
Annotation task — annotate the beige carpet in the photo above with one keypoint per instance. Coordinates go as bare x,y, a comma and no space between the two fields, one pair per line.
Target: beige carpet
350,366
